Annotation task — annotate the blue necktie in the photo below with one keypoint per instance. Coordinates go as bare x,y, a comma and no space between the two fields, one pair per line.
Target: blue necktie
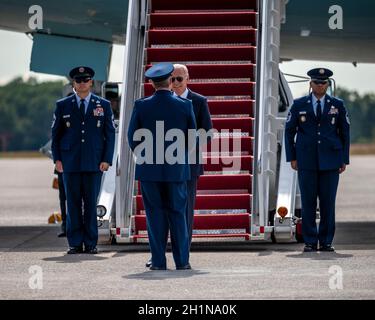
318,110
82,108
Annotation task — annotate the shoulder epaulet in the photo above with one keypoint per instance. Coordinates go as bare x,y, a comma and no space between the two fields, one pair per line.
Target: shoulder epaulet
62,100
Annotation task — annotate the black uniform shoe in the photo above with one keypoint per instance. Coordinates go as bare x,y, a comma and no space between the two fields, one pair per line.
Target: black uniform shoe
327,248
187,267
74,250
61,235
93,250
158,268
148,263
309,248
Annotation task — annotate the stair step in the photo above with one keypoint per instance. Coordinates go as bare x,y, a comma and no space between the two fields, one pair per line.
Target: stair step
245,107
244,124
214,88
233,53
206,222
203,5
212,201
201,36
223,201
214,235
217,71
222,182
183,19
217,144
228,163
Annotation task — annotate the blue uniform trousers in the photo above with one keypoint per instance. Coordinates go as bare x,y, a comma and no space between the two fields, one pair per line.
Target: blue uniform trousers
165,205
191,195
323,185
82,190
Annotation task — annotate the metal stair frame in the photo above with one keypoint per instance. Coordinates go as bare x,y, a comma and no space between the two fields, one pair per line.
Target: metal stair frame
131,90
266,126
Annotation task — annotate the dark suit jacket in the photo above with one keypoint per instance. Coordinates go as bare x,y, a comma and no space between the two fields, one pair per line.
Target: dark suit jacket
203,120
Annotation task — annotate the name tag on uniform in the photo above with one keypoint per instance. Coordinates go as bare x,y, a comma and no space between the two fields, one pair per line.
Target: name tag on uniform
66,116
98,111
302,112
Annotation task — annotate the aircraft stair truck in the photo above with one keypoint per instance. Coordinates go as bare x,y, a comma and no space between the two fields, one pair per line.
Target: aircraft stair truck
231,49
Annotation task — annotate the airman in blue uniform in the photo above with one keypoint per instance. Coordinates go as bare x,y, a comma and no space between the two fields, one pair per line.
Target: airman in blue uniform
163,184
83,136
317,144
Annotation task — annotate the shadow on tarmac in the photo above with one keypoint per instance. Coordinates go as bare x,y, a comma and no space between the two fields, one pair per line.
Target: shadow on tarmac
349,236
166,274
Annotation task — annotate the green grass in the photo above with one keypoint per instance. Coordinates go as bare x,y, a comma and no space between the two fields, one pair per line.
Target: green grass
355,148
362,148
21,154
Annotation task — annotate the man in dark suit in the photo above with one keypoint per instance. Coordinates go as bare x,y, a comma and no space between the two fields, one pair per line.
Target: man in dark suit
180,79
319,153
163,180
83,138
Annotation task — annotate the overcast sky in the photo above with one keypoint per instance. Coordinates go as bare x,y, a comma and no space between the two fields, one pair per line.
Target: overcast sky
15,56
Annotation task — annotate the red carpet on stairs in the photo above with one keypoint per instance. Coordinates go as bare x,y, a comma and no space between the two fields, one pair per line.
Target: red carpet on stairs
216,39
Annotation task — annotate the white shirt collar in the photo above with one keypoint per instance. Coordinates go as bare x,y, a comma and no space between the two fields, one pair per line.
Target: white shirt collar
184,94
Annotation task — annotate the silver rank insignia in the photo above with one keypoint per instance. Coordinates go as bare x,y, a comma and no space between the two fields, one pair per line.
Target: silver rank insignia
98,124
68,124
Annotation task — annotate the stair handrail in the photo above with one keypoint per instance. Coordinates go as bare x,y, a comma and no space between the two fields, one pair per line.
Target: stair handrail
265,148
131,90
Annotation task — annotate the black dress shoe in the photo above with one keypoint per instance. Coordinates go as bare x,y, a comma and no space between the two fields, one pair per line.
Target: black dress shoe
93,250
61,235
149,263
158,268
187,267
309,248
74,250
327,248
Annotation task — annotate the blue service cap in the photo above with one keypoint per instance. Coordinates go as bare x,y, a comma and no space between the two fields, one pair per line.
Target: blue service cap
320,73
81,72
160,71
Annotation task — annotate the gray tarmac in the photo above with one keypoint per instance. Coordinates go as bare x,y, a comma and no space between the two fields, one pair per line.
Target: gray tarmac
34,264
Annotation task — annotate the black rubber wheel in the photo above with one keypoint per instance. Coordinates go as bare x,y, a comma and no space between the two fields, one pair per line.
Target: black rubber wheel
299,236
273,238
113,240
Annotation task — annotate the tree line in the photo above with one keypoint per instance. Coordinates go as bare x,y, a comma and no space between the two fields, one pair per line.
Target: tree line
26,110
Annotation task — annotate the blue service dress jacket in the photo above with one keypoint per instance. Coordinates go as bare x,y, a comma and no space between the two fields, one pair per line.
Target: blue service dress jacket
166,111
83,143
318,145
